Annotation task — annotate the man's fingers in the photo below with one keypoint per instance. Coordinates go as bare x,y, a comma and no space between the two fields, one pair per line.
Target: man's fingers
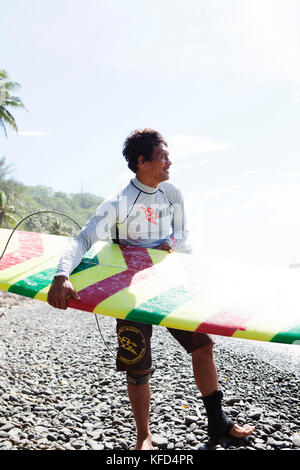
57,301
74,294
58,295
165,247
51,300
62,302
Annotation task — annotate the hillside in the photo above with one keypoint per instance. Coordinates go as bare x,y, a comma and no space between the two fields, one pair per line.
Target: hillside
21,200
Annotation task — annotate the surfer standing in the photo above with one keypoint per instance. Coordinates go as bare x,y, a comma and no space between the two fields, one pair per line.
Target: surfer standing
148,212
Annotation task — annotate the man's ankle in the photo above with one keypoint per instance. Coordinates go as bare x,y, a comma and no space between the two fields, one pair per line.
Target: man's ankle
144,441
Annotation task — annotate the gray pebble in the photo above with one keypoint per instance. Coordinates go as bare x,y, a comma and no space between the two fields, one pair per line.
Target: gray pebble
255,415
77,444
7,427
296,440
159,441
191,419
6,445
94,445
275,443
109,446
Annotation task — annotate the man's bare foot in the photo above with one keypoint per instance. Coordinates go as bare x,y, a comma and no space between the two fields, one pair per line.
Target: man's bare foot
144,443
239,432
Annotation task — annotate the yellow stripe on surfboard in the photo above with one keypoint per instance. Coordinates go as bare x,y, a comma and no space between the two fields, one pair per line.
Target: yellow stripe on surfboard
27,268
110,255
131,297
180,319
264,328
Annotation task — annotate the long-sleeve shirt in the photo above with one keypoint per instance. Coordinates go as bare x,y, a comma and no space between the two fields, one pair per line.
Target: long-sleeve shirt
137,215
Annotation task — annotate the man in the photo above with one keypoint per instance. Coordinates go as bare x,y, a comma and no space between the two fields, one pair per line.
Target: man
148,212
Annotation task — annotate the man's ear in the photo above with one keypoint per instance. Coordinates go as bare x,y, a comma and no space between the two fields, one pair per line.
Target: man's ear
141,160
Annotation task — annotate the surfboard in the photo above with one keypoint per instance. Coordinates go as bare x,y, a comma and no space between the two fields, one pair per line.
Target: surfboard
151,286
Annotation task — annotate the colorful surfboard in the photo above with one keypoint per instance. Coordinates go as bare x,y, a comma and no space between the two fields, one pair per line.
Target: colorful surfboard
151,286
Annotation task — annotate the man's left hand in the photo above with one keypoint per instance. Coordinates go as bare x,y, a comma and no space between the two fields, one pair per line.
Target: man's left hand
165,247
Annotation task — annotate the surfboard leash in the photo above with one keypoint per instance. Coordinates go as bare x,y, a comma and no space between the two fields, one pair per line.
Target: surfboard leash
80,228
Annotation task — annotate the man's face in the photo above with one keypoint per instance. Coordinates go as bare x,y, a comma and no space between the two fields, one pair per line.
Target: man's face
158,168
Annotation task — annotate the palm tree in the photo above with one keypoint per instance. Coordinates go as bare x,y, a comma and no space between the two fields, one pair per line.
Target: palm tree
57,228
7,217
4,169
6,100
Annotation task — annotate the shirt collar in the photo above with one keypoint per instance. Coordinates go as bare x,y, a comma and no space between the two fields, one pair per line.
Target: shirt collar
142,187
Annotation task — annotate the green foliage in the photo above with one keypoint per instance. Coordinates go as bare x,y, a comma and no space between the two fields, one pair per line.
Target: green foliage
19,200
7,100
7,216
56,227
4,169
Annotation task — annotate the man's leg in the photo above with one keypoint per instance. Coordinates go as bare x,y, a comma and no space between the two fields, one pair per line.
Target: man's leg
206,379
205,372
134,357
139,396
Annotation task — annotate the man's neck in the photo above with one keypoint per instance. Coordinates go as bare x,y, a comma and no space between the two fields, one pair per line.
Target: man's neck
147,181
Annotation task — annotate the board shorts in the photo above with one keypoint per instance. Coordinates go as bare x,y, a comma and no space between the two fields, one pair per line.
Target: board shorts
134,344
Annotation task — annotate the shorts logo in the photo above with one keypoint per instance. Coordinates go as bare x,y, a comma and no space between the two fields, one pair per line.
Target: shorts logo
133,342
127,344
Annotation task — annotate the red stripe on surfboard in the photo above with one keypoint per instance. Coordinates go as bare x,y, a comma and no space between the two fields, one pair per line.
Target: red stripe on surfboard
30,246
140,267
136,257
224,324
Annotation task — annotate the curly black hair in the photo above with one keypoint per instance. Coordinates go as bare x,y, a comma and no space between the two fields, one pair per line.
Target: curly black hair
141,142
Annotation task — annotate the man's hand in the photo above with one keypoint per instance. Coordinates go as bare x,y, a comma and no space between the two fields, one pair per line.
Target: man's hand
165,247
60,291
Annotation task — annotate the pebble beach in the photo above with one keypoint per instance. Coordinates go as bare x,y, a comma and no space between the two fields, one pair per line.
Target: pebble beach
59,389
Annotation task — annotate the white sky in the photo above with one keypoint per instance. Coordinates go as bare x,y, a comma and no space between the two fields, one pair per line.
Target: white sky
219,79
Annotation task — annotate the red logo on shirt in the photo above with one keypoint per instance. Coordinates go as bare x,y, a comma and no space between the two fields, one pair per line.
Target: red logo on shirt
150,214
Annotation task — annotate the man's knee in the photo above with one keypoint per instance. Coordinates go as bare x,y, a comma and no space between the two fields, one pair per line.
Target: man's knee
139,377
204,352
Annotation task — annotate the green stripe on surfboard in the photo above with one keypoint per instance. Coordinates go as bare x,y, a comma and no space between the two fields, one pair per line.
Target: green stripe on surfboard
86,263
32,284
160,306
29,286
287,337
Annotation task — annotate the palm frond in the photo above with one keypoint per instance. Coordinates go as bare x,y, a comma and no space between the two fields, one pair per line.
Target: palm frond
3,199
12,85
2,124
12,219
6,100
8,118
3,74
5,169
14,101
13,216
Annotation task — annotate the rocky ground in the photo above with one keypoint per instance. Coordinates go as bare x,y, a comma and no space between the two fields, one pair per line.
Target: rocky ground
59,388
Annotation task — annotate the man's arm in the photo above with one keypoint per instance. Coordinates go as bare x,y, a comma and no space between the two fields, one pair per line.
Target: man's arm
97,228
179,225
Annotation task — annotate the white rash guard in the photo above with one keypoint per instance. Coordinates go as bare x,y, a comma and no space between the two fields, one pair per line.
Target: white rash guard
137,215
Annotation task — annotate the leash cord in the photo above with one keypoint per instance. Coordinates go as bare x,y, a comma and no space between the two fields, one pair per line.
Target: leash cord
76,223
